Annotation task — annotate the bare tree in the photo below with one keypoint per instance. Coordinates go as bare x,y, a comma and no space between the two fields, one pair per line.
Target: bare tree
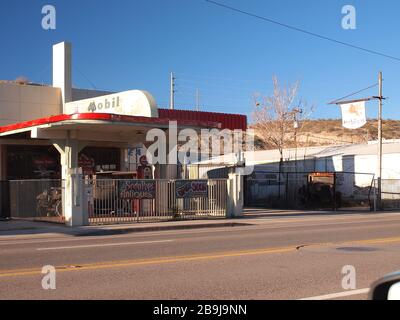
276,117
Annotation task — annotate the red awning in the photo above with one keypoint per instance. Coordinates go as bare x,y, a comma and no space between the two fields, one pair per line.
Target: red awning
183,117
106,117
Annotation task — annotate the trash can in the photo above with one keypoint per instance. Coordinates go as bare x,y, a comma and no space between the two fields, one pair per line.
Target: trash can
5,210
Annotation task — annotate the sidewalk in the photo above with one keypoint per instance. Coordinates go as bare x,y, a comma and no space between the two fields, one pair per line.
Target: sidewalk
24,227
252,217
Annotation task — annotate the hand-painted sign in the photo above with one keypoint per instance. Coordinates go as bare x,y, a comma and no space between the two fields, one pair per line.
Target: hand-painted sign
137,189
353,115
191,189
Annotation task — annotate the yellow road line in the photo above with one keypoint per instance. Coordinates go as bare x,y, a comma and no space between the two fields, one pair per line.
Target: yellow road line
126,263
172,259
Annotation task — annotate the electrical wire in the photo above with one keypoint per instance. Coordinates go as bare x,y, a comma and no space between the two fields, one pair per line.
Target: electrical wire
203,78
287,26
84,76
354,93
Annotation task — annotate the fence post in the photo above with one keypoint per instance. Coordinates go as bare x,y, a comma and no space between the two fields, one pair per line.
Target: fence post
375,207
235,195
5,208
74,208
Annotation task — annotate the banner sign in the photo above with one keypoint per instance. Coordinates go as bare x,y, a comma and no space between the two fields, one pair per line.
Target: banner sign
191,189
353,115
137,189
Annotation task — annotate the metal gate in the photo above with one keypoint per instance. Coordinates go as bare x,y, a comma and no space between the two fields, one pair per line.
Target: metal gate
37,200
112,201
390,193
289,190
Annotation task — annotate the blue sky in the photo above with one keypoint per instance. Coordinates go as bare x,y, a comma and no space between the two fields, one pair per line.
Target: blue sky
120,45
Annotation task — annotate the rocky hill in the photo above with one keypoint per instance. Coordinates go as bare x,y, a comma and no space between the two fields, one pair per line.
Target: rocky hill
331,132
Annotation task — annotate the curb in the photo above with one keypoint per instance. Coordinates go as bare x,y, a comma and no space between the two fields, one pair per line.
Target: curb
110,232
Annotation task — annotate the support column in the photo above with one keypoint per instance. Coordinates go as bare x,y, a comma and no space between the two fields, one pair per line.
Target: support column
3,162
235,195
74,209
124,159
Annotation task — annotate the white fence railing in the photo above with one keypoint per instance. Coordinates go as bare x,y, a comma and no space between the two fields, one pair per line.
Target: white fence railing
123,201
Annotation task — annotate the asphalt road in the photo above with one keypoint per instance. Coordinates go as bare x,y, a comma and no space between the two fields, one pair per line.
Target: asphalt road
292,257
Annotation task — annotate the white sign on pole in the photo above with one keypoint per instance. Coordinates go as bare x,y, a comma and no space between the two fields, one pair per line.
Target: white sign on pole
353,115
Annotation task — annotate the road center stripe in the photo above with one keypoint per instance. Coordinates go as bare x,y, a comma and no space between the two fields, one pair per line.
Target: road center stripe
104,245
174,259
339,294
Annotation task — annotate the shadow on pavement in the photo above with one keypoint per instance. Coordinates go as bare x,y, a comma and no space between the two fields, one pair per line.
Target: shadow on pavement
255,213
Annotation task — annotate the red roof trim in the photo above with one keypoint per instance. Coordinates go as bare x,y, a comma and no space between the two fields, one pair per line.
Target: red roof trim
104,117
227,120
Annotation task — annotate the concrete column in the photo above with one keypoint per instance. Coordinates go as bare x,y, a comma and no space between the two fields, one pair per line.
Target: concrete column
74,205
62,70
124,159
3,162
235,195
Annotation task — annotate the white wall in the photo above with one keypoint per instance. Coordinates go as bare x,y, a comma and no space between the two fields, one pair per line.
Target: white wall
62,69
20,103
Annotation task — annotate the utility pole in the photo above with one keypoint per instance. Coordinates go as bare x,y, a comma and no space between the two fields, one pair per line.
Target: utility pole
197,100
172,92
294,113
379,162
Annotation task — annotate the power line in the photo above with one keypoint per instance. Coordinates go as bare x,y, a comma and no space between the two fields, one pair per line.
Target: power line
191,105
203,78
354,93
190,91
84,76
287,26
216,86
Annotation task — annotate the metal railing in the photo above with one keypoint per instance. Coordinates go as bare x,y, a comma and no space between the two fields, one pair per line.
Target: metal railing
291,190
37,199
390,193
126,201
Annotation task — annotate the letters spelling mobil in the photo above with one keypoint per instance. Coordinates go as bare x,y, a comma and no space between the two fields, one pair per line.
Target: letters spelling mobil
115,103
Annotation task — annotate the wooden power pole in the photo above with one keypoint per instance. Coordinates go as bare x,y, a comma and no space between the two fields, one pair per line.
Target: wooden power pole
380,139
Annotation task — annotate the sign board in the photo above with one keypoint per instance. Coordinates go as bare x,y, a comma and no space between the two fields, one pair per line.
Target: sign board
353,115
185,189
137,189
322,177
131,103
143,161
86,163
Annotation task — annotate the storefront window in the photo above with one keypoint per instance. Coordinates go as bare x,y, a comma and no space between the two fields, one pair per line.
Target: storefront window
43,162
96,159
33,162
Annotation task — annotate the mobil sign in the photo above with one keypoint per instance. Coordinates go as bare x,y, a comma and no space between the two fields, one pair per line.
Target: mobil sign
130,103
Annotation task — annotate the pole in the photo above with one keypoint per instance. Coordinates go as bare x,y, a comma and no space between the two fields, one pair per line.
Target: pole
296,125
172,92
379,165
197,100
